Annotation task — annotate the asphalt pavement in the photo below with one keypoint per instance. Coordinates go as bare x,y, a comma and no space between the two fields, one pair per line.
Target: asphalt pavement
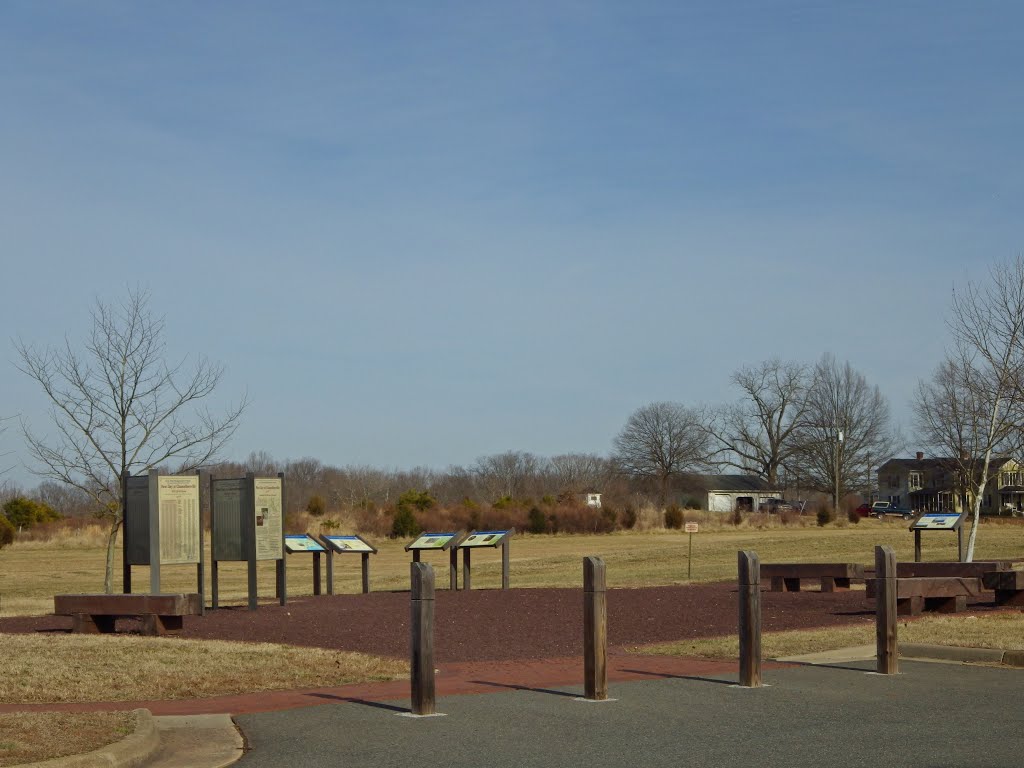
929,716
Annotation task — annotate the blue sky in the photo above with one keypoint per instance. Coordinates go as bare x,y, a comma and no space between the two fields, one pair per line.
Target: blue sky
419,233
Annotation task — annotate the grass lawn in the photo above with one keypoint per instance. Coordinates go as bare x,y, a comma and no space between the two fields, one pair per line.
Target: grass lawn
29,737
31,573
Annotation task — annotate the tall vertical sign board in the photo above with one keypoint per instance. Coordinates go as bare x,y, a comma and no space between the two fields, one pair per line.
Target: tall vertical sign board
247,524
162,525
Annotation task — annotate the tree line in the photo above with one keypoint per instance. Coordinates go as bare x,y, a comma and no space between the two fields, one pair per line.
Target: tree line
118,404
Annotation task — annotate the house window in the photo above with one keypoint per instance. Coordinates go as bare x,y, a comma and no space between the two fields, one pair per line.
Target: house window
914,481
1011,478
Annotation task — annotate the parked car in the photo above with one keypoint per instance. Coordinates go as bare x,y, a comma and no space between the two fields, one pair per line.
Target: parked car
882,509
775,506
864,510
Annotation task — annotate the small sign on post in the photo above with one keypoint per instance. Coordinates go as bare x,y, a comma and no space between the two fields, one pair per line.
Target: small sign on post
305,543
347,545
690,528
439,542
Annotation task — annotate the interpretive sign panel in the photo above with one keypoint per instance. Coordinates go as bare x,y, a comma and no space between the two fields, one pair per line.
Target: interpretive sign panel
483,539
267,509
691,527
136,517
349,544
433,541
227,518
179,519
302,543
936,521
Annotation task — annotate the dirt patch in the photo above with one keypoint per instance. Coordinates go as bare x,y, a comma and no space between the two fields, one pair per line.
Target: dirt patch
517,624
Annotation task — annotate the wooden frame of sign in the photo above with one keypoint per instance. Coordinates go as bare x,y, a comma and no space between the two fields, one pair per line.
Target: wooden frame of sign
490,539
247,525
439,542
303,542
347,545
939,521
163,525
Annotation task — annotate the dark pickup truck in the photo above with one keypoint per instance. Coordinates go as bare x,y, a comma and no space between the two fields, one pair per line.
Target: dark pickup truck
882,509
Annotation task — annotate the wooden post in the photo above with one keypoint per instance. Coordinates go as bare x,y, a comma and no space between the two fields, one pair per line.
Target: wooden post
917,546
505,545
316,573
126,568
366,573
886,648
750,618
201,565
330,569
467,579
453,569
595,630
423,697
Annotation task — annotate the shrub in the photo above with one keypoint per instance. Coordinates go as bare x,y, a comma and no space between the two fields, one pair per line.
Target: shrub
737,516
22,512
420,500
628,517
608,519
537,522
553,522
329,524
6,532
316,506
852,516
674,517
404,524
824,515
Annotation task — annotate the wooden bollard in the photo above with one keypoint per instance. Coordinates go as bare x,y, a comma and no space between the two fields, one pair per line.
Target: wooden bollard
423,697
750,618
886,648
595,630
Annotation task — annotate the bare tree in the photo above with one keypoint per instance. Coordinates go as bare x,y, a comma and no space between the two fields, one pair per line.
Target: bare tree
119,406
579,472
661,440
506,474
758,433
845,424
972,407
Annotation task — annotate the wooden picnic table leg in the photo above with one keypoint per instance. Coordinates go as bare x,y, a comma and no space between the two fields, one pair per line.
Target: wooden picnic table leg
828,584
792,585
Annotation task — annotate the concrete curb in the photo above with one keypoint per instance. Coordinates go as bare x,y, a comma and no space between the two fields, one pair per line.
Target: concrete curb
952,653
133,751
913,651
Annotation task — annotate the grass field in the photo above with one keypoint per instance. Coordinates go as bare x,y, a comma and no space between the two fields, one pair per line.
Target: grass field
31,573
29,737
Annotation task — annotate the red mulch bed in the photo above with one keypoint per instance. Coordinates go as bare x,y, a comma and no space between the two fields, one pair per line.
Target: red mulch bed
492,624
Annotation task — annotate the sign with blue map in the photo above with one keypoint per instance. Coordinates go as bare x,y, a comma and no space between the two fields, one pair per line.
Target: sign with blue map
348,544
484,539
433,541
937,521
302,543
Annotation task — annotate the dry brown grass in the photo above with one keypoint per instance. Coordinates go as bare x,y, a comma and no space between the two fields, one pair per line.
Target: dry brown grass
28,737
31,574
998,630
89,668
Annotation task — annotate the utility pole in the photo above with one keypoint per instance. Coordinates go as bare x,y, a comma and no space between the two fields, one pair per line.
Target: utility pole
839,448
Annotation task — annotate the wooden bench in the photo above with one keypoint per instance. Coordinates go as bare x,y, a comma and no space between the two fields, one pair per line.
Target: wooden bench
92,614
1009,586
945,594
975,570
785,577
